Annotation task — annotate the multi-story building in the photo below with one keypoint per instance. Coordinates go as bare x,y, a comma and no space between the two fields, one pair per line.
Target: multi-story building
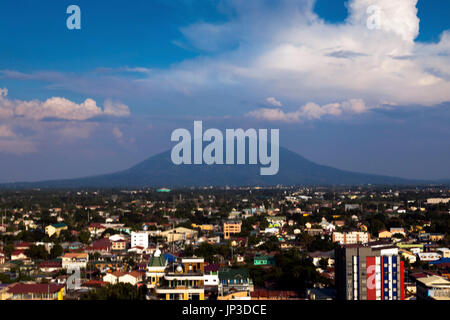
369,272
231,227
119,245
139,239
433,288
155,269
352,237
183,280
179,234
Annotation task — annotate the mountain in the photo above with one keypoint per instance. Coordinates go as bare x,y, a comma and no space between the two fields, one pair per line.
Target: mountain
159,171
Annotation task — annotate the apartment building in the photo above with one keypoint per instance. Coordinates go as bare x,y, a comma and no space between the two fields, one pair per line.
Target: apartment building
369,272
352,237
231,227
179,234
183,280
139,239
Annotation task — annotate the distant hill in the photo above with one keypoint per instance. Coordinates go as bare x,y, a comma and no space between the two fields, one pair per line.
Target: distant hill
160,171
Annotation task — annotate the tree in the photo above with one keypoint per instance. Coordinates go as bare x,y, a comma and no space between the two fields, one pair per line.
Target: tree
56,251
84,237
37,252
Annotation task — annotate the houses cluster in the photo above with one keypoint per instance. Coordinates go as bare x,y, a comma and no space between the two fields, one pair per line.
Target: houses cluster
221,244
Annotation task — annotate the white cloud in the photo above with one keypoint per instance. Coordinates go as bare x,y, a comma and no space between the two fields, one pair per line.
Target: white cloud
274,102
284,48
116,109
59,108
310,111
288,50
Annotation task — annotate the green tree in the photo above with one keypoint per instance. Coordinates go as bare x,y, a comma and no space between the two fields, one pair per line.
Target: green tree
56,251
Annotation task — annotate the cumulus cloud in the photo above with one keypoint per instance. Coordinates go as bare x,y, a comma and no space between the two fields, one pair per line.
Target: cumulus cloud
274,102
59,108
300,58
116,109
284,48
310,111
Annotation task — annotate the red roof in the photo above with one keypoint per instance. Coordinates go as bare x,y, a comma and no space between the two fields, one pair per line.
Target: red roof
264,293
50,264
96,225
17,252
35,288
95,283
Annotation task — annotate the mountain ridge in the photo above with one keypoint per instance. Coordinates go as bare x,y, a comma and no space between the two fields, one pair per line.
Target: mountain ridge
159,170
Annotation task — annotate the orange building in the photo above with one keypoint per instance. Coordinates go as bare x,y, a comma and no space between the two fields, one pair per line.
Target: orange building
230,228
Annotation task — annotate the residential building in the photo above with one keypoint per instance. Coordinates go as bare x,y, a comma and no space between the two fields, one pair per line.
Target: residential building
183,280
133,277
179,234
75,260
139,239
230,228
155,269
352,237
36,291
428,256
369,272
433,288
233,281
263,260
119,245
384,234
19,255
55,229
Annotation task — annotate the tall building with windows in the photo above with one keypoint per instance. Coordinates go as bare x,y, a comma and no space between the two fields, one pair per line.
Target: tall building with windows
139,239
370,271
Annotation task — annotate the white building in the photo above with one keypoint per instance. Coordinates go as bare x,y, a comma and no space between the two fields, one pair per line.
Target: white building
139,239
429,256
351,237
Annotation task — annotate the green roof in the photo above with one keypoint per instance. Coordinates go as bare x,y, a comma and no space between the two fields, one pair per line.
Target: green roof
226,274
59,225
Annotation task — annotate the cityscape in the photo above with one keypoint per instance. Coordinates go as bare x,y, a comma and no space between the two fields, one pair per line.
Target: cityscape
247,243
224,158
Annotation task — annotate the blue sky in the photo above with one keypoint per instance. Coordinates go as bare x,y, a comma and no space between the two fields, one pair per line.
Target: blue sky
80,102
